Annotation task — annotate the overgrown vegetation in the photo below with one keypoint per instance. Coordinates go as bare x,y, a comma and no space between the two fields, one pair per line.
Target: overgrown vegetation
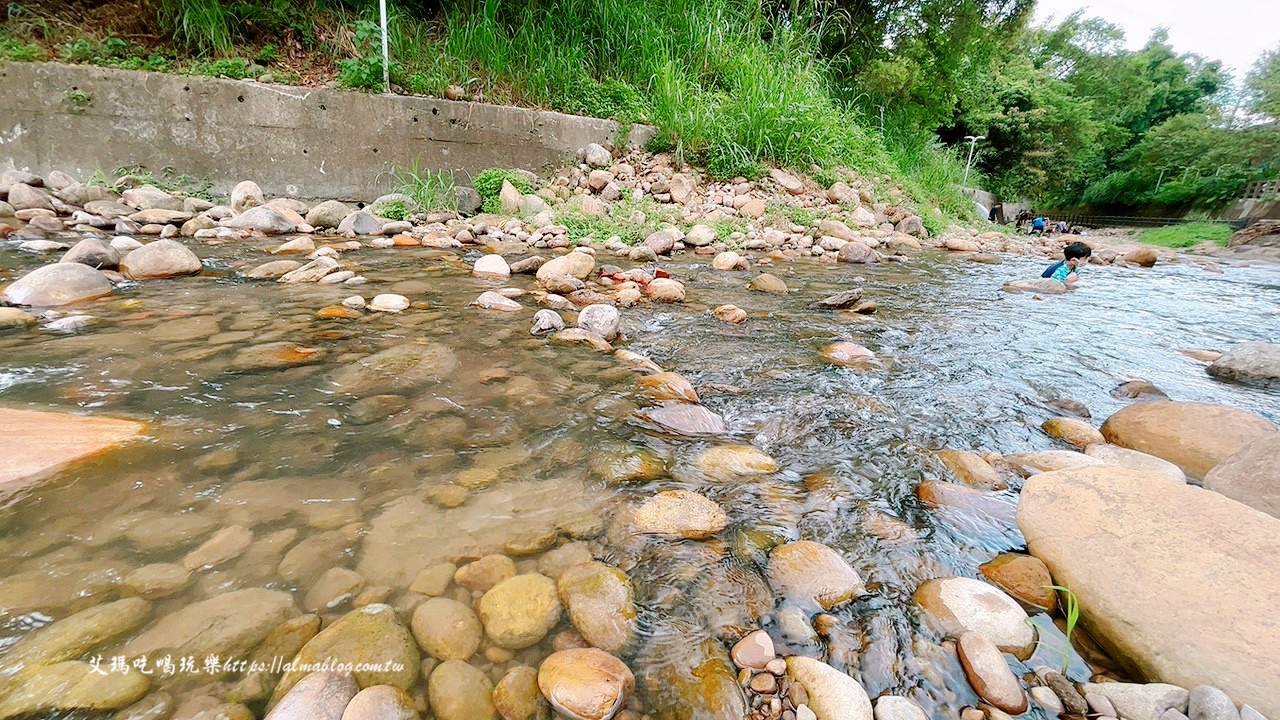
1069,115
488,183
168,179
629,220
431,191
1187,235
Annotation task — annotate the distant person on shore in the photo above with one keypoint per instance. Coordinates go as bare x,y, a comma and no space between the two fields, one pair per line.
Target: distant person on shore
994,214
1037,225
1067,269
1023,218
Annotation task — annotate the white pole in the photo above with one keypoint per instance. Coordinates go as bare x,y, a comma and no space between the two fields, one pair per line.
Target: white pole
973,141
386,58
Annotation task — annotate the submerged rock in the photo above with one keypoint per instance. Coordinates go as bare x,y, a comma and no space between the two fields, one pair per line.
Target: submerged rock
1194,436
318,696
679,513
446,629
1121,538
848,354
733,462
1043,286
585,683
228,625
685,419
516,696
460,691
971,469
812,573
396,369
519,611
665,386
381,702
75,635
73,685
369,636
599,600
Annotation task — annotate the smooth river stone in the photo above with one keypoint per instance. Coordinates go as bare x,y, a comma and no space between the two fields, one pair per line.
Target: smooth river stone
833,695
1022,576
460,691
75,635
1251,476
516,696
228,625
446,629
960,605
971,469
40,443
686,420
989,673
57,284
1072,431
585,683
1109,454
1167,575
600,602
519,611
730,462
381,702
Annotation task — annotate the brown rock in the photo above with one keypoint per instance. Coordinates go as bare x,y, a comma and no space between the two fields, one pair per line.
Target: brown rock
767,283
38,443
1146,257
731,314
600,602
516,695
1022,576
484,573
754,651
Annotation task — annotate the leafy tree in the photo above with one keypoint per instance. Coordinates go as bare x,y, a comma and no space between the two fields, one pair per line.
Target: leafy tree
1263,84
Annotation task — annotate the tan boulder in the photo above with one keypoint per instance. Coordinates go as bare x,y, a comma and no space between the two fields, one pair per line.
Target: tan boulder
1109,454
1194,436
39,443
833,695
1167,576
600,602
848,354
1048,461
520,611
729,462
1251,476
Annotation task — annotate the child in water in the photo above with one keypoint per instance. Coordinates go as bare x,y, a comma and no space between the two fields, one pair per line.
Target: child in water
1066,270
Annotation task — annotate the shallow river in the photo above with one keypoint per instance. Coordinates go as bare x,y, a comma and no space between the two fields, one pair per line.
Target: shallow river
535,430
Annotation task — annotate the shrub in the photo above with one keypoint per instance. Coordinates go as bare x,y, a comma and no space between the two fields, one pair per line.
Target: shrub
13,49
1187,235
489,184
365,70
234,68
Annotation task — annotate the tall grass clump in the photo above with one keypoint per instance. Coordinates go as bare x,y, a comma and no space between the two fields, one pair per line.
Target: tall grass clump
206,25
431,191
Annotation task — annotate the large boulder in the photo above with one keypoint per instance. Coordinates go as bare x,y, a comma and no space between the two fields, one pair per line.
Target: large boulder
160,259
1254,363
25,197
1251,476
574,264
585,683
1193,436
58,284
1169,577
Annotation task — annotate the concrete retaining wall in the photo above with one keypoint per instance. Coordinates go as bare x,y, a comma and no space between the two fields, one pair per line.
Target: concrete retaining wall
298,142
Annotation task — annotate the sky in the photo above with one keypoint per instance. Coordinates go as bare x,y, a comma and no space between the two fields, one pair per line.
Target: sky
1233,31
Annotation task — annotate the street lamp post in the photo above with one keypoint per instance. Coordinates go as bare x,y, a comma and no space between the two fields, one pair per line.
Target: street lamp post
973,142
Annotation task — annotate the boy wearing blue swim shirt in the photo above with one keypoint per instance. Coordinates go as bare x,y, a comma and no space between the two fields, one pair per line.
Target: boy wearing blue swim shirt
1065,271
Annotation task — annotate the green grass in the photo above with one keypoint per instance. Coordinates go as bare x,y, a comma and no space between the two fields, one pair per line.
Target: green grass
1187,235
234,68
168,180
15,49
432,191
1071,612
489,184
630,220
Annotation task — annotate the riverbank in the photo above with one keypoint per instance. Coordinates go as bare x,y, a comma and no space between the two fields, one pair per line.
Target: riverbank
463,460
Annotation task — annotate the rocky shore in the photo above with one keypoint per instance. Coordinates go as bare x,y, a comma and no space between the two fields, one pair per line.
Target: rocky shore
563,620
